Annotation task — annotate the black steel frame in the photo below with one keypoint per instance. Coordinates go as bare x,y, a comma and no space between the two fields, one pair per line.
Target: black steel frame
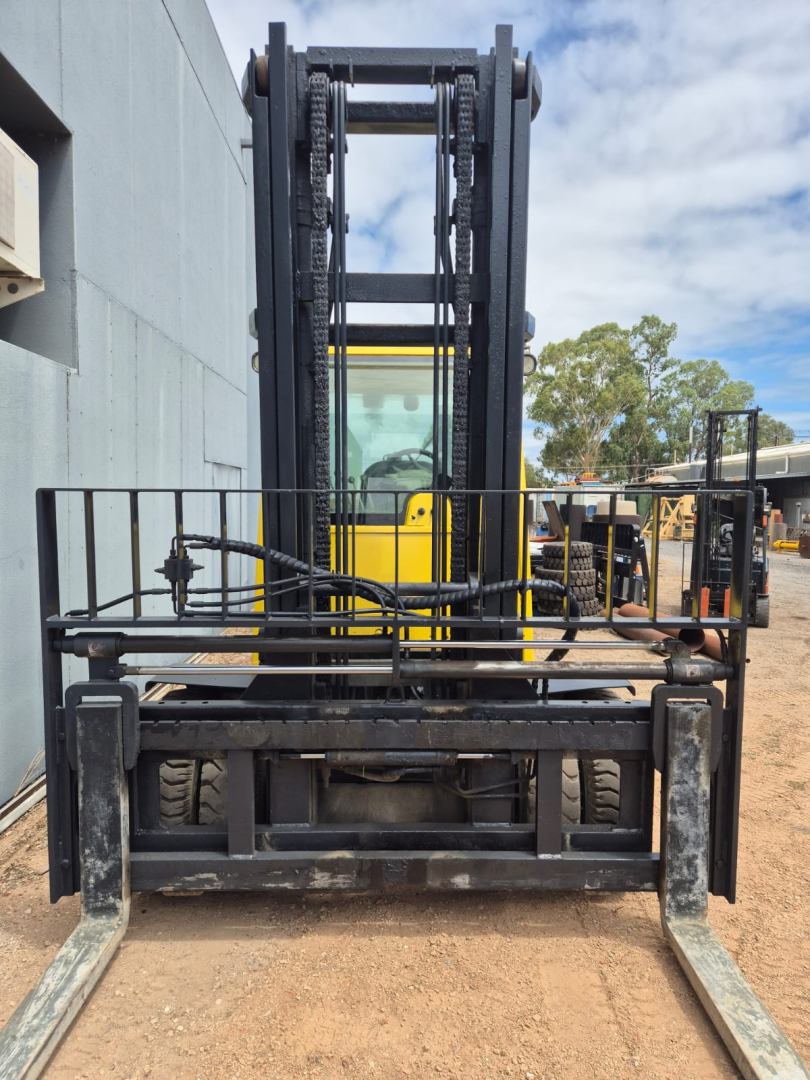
476,699
715,562
507,96
466,710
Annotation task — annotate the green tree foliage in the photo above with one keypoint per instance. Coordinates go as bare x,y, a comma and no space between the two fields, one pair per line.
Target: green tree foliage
689,389
616,401
773,432
634,440
580,389
537,476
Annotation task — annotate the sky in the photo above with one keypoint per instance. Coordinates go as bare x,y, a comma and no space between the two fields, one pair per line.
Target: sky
670,169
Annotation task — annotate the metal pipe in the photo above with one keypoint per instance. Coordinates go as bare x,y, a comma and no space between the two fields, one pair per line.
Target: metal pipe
691,671
120,644
394,757
410,620
528,644
694,637
691,636
695,671
175,672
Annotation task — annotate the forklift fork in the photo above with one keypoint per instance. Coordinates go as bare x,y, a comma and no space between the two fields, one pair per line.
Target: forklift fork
752,1037
35,1029
755,1042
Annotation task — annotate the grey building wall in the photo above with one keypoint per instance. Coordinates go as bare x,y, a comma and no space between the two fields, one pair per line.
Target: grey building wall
132,369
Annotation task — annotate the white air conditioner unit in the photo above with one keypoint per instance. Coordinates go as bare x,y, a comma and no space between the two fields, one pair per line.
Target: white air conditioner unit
19,224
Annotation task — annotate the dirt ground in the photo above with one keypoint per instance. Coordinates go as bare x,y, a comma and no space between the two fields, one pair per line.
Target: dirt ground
458,986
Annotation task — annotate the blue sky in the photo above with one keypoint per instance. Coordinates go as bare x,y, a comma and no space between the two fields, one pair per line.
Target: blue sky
670,165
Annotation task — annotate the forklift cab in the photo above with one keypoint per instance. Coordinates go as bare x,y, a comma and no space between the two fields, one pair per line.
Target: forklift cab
389,400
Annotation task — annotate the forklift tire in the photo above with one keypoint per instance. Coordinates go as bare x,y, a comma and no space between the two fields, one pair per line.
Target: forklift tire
178,782
575,577
762,612
553,605
193,793
212,805
601,783
578,549
573,564
571,801
591,607
571,791
581,592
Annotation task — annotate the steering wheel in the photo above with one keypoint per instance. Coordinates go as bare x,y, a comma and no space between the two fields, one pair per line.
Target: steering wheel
411,452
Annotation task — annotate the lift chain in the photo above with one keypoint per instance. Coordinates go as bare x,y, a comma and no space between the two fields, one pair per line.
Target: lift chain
465,108
318,109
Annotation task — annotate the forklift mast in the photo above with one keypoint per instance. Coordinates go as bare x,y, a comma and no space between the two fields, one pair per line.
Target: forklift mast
715,530
717,421
304,113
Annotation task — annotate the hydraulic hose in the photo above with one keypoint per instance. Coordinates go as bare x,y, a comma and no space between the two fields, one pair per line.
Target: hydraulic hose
369,589
255,551
456,595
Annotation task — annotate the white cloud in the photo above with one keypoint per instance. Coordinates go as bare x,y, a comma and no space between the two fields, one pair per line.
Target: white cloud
661,181
670,169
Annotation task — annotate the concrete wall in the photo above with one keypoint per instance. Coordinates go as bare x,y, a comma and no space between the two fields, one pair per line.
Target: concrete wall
145,383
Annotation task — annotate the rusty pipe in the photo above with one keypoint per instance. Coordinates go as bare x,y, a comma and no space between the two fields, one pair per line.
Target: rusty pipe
693,637
696,638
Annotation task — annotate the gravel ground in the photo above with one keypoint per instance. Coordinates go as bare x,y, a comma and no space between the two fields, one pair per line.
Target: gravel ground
457,986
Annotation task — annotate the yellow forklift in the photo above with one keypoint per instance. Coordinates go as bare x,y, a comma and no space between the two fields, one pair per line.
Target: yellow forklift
394,734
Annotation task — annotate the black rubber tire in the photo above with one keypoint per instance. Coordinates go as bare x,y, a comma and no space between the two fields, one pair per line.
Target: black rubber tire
581,592
552,557
575,577
554,568
571,801
577,549
548,604
584,592
193,793
762,612
571,791
553,606
573,564
212,806
179,781
601,785
590,607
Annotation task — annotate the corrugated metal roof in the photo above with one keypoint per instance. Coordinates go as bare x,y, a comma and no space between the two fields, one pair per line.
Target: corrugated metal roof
772,462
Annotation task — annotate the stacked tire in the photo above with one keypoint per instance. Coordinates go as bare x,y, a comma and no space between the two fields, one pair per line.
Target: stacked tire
581,578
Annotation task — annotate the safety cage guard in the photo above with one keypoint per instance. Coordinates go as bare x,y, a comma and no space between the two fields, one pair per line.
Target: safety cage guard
344,673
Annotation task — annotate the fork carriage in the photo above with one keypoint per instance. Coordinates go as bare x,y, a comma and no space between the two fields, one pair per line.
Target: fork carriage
416,741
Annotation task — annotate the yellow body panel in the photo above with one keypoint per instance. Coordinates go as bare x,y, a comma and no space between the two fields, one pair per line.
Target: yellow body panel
373,547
